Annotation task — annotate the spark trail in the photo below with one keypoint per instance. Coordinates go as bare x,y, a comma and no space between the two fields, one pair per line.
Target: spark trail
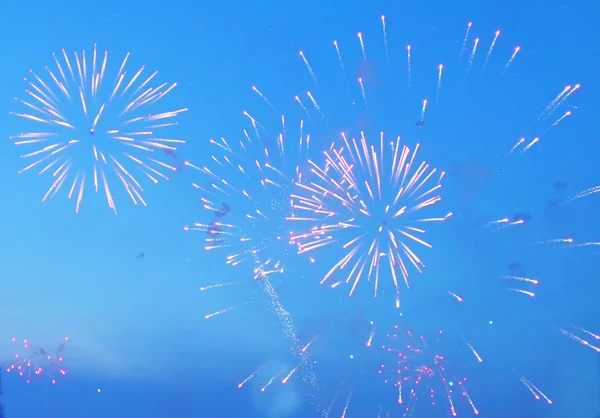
416,368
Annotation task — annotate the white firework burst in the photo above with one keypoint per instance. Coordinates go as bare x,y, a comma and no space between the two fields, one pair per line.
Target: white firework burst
91,127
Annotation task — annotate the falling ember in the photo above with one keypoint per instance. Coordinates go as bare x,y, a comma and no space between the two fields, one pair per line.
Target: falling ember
113,124
552,105
291,373
464,44
362,46
533,389
224,310
455,296
511,59
371,336
347,405
556,122
580,340
586,244
303,108
521,279
519,142
475,353
584,193
271,380
556,241
309,343
266,100
364,94
585,331
314,102
250,377
365,200
310,70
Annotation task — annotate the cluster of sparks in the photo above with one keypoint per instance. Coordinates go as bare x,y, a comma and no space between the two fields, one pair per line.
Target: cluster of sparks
76,110
30,363
252,176
365,199
417,368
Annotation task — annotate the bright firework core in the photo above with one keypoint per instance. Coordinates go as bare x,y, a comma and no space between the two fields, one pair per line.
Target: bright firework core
365,200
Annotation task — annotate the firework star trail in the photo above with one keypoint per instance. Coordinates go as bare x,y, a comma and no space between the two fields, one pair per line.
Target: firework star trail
94,125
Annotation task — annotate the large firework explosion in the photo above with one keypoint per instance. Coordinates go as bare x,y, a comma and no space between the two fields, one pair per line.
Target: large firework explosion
87,125
358,204
244,190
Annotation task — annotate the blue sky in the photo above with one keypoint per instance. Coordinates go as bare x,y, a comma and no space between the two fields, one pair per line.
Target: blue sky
137,329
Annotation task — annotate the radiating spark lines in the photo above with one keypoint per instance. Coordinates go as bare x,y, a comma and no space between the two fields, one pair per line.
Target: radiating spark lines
93,126
252,176
245,190
359,206
365,200
340,205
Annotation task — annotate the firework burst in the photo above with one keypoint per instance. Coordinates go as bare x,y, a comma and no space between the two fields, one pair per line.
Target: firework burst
367,198
417,369
32,363
245,190
93,126
245,194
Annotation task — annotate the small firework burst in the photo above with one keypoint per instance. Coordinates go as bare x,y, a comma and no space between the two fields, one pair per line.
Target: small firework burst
30,363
